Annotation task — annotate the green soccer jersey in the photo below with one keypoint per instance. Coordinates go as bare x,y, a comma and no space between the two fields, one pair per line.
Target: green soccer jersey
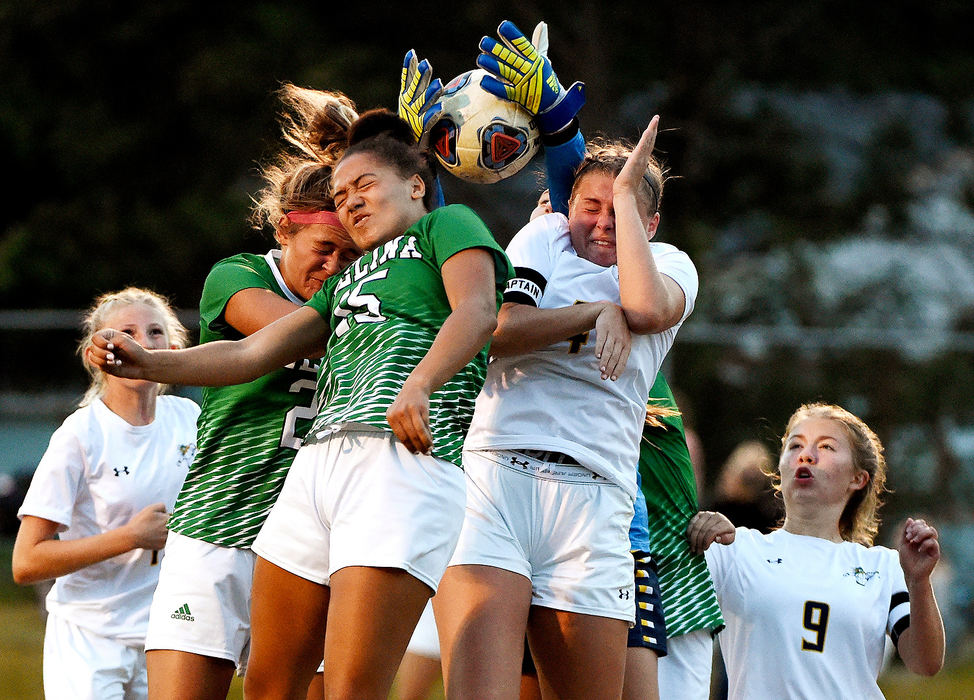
384,312
689,600
248,433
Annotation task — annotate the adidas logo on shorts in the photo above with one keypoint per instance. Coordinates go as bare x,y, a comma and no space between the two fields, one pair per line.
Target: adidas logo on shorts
183,613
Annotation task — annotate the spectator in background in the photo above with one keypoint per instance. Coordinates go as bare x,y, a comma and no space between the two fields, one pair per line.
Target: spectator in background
744,491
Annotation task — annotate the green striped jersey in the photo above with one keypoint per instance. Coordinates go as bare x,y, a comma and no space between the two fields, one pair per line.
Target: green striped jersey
689,600
385,311
248,433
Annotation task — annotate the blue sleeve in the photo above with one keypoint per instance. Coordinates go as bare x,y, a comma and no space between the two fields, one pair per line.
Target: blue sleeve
561,160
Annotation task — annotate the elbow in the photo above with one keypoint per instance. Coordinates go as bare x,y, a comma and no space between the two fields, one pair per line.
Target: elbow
23,574
647,322
488,326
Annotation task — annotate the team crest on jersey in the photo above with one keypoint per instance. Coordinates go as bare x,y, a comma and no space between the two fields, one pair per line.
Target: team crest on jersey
861,575
186,454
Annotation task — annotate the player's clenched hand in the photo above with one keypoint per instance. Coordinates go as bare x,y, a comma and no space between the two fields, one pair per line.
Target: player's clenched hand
409,418
117,353
417,94
707,527
629,178
919,548
613,341
148,527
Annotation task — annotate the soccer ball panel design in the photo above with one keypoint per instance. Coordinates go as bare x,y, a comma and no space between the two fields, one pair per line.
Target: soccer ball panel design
479,137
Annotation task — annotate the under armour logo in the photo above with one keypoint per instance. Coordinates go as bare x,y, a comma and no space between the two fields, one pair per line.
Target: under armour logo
124,470
774,561
517,462
623,594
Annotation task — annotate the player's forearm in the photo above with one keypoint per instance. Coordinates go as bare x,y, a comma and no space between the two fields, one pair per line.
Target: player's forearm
922,644
650,302
522,328
294,336
49,559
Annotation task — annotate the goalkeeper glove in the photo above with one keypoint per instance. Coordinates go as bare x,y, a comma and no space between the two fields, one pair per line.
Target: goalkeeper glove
418,93
521,72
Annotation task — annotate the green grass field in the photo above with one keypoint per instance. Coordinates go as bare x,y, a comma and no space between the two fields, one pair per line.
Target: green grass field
22,635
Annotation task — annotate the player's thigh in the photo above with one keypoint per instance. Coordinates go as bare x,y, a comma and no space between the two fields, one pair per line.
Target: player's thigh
481,615
288,616
641,682
183,675
371,616
578,655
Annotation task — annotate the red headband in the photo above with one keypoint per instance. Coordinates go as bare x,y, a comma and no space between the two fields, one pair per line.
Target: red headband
328,218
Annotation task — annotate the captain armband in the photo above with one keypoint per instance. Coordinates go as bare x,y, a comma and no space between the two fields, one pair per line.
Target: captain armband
899,616
526,287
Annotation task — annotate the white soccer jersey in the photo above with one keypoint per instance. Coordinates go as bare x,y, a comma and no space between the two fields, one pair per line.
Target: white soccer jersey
806,617
555,398
97,472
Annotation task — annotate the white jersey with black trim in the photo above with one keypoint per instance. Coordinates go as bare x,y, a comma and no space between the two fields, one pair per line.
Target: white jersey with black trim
806,617
555,399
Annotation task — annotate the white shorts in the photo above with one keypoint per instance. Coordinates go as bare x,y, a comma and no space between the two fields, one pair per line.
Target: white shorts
202,602
563,527
425,641
81,665
360,498
684,673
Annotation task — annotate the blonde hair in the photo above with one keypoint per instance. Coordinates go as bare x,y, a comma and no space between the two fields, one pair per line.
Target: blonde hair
314,124
609,157
859,521
95,320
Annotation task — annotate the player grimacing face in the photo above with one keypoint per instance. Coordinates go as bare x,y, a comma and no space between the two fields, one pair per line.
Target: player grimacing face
374,203
311,254
817,465
592,221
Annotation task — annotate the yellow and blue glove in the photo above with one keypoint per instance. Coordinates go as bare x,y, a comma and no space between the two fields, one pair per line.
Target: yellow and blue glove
417,94
521,72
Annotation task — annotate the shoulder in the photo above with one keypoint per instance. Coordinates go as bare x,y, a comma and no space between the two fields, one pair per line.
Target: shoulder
178,405
76,425
670,254
454,212
549,232
240,266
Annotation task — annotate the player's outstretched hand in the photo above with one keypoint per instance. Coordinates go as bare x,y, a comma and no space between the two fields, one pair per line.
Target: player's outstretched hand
417,94
919,548
117,353
148,527
521,72
613,341
409,418
629,178
707,527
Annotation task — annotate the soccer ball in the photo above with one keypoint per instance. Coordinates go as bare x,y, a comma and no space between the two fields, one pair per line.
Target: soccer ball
478,136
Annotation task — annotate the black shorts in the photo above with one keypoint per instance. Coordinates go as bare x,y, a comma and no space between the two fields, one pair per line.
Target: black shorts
650,628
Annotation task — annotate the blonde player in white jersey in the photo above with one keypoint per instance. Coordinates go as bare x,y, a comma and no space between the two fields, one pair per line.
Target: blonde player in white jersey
95,515
550,457
808,607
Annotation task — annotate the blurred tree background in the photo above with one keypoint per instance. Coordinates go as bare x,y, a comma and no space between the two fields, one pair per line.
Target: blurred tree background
822,154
